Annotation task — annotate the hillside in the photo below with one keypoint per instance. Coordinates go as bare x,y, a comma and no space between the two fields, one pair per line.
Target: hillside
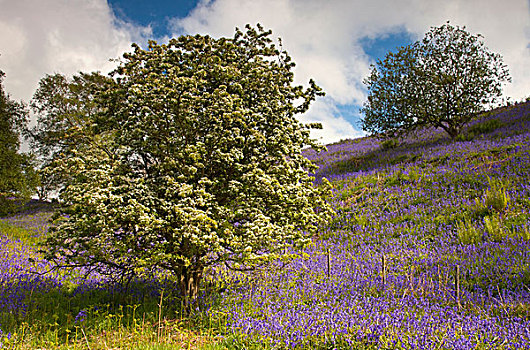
429,249
427,207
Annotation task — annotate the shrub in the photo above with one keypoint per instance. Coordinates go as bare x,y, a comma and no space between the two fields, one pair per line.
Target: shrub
496,197
467,232
480,209
495,229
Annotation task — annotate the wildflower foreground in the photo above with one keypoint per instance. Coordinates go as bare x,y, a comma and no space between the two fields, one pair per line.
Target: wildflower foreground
429,249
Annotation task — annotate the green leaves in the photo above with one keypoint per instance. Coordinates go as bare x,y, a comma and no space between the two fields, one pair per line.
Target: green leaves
195,160
441,81
67,112
17,175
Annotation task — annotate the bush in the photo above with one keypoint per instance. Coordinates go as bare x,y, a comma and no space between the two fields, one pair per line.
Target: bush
496,197
467,232
485,127
495,228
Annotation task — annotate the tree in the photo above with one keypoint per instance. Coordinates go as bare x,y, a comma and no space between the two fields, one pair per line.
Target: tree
17,175
442,81
199,163
64,108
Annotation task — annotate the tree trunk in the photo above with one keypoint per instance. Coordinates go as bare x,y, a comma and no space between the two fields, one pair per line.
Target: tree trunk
189,283
453,132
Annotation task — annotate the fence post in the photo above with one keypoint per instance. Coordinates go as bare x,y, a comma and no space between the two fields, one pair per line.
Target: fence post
351,268
328,262
457,285
383,268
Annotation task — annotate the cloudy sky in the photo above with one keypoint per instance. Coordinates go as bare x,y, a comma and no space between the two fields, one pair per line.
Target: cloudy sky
332,41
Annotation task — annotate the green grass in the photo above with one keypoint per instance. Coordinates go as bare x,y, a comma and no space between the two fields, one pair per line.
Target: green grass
111,321
17,233
50,324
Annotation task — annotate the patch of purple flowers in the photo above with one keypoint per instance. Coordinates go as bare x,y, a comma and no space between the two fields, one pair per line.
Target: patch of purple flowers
80,317
390,270
404,204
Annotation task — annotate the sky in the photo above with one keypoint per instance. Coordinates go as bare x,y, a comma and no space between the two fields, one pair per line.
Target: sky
332,41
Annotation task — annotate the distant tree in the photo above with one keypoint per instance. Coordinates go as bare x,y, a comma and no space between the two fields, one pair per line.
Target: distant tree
65,109
199,163
17,176
441,81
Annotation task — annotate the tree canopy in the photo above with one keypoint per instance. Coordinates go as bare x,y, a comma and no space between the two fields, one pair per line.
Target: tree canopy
17,176
194,160
441,81
65,109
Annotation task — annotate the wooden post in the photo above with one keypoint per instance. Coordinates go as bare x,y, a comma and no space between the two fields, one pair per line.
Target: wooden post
329,262
159,332
457,286
383,269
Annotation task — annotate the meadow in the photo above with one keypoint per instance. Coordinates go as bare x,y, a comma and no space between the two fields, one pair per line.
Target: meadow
428,249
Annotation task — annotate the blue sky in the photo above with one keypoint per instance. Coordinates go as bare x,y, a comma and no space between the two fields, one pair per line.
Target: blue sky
159,16
332,41
152,13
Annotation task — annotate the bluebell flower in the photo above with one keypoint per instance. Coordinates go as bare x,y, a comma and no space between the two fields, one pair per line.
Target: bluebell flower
80,316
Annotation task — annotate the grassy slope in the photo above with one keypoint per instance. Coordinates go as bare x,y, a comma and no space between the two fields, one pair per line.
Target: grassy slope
424,204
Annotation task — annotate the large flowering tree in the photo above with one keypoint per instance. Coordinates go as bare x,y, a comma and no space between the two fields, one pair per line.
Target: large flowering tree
195,160
441,81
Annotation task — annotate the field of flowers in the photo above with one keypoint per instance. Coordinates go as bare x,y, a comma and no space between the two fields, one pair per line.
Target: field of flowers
429,249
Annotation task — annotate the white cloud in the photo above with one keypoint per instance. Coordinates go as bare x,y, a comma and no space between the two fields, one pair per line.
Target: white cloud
58,36
323,38
39,37
334,126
